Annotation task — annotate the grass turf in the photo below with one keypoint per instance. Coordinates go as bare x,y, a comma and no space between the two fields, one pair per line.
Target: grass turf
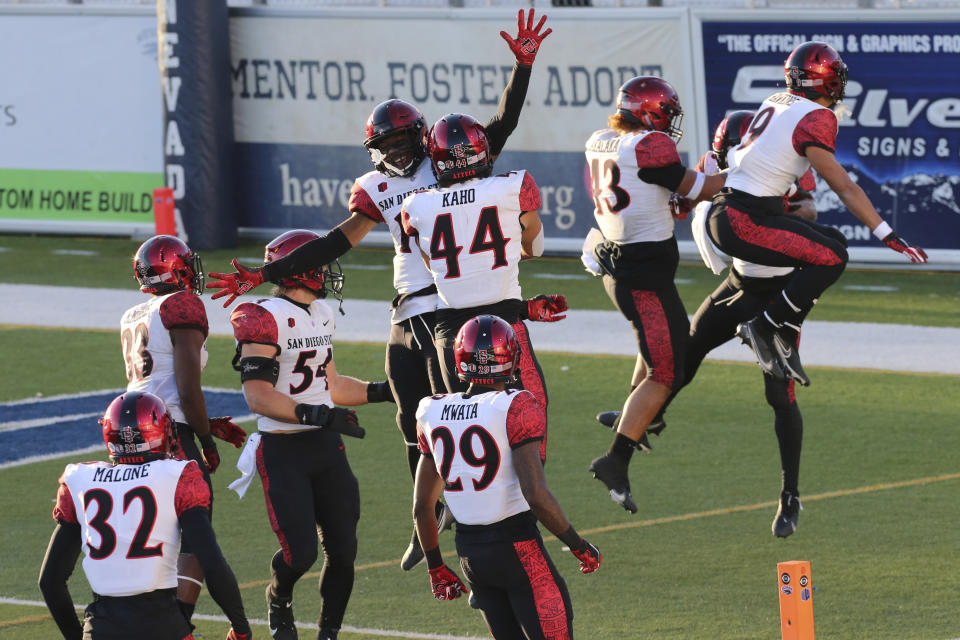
879,480
905,297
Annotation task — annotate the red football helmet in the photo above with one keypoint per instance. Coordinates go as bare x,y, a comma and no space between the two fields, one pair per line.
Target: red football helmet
815,69
164,264
396,138
653,103
137,427
729,133
486,351
459,149
325,280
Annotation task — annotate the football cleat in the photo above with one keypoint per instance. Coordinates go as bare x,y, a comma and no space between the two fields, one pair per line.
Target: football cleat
280,617
785,522
445,519
472,600
413,555
611,419
613,473
758,334
789,359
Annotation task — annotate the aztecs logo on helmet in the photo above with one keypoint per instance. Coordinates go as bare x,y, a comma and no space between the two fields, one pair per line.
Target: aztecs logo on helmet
486,351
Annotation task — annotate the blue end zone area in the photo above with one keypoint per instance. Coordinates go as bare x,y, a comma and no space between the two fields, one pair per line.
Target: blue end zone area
48,426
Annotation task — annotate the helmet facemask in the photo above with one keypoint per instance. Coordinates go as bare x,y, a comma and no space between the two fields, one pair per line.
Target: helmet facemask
397,153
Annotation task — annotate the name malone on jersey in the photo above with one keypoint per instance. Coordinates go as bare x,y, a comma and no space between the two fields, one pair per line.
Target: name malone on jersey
464,196
121,474
309,341
459,412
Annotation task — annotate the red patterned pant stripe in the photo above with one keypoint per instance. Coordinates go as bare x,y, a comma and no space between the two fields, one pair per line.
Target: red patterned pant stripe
547,597
274,524
656,334
782,241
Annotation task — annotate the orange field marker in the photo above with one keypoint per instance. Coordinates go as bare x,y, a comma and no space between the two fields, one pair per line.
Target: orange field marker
796,600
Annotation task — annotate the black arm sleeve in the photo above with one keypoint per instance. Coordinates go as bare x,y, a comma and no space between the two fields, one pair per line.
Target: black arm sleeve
508,111
668,177
308,256
221,583
58,564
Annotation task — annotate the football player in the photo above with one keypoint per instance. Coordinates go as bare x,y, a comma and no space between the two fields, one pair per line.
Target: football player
129,517
396,139
746,289
481,449
164,352
290,380
792,131
494,217
638,258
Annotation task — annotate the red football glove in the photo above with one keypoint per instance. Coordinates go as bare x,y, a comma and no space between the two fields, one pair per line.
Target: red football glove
916,254
209,452
233,635
445,584
527,42
588,555
237,283
680,207
544,308
227,431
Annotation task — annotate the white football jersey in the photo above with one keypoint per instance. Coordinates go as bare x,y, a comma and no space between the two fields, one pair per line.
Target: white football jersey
772,154
626,208
304,338
148,350
129,519
379,197
472,234
471,441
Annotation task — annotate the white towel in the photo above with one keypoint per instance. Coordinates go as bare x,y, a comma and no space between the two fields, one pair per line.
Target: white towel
247,465
698,226
594,237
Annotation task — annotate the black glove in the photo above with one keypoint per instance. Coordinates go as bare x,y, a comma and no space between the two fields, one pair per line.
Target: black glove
336,419
379,392
209,451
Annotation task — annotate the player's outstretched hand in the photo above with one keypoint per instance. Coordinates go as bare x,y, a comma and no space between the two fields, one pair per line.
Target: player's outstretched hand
895,242
445,583
527,43
208,450
335,419
235,284
588,555
227,431
543,308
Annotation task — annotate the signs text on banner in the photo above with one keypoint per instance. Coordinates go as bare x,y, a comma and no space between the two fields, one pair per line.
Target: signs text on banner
900,137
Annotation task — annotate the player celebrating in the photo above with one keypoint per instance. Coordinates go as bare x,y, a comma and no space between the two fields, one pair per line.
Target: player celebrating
128,516
639,257
164,350
481,448
290,380
791,132
498,216
396,139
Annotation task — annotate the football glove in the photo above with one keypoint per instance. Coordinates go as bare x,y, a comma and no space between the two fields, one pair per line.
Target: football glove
895,242
588,555
242,281
227,431
527,42
545,308
379,392
211,457
445,583
336,419
233,635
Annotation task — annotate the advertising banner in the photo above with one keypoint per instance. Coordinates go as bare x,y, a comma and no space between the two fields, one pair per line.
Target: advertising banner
80,135
899,135
304,85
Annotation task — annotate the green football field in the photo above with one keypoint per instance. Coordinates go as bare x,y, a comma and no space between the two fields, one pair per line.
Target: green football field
879,479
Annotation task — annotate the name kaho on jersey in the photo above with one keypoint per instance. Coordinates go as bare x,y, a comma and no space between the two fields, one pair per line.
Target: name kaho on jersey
471,440
303,338
471,234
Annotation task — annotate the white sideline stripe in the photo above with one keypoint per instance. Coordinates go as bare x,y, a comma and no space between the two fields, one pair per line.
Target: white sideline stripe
49,456
385,633
64,396
43,422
